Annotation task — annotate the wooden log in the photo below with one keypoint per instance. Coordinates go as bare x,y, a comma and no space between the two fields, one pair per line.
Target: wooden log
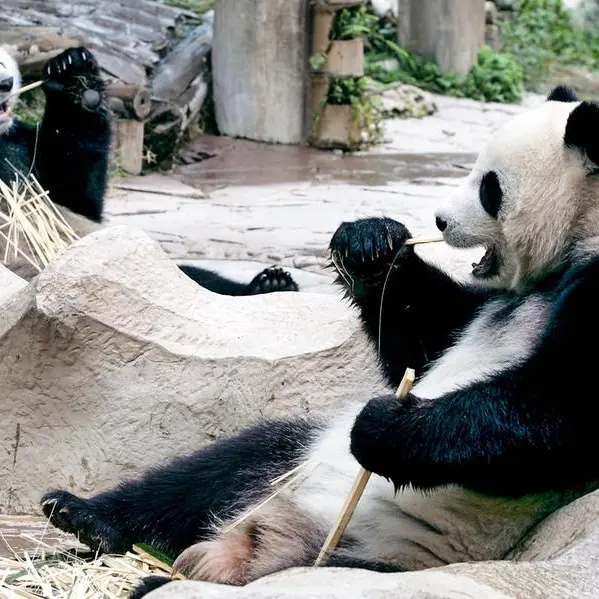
129,101
128,145
450,31
346,58
260,67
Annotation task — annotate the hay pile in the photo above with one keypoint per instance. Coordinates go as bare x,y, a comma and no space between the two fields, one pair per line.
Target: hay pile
32,229
49,573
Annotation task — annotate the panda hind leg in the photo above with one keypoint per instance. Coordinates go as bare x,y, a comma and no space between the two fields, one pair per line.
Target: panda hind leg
276,537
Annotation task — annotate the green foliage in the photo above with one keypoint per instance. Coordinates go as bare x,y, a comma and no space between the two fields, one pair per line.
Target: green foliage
353,22
30,107
495,78
343,89
541,34
198,6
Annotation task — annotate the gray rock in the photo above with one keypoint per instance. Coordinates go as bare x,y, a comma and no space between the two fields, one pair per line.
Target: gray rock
10,284
558,560
112,360
406,101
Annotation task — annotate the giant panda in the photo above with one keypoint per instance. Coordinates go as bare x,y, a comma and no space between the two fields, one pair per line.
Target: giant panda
498,431
69,150
69,153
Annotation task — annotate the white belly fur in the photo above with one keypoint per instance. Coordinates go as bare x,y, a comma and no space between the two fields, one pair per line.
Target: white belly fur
448,524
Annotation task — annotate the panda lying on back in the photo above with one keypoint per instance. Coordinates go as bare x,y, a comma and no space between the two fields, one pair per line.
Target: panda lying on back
498,431
69,154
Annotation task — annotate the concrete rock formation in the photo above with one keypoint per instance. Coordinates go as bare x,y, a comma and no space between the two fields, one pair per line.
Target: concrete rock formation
112,360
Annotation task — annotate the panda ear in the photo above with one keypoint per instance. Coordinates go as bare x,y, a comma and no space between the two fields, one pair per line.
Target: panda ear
582,130
562,93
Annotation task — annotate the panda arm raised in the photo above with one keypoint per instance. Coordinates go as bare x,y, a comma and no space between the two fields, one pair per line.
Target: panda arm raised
527,429
72,149
414,307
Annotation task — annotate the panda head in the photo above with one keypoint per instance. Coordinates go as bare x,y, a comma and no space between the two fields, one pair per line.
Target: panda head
533,192
10,81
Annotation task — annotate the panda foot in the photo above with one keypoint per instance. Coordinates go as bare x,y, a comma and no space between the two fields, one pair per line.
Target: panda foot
79,517
272,279
224,560
76,72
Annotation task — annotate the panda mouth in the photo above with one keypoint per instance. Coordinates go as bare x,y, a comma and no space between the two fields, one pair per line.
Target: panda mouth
4,113
488,265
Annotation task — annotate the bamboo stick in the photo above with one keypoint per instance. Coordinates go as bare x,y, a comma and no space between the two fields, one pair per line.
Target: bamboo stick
419,240
26,88
358,487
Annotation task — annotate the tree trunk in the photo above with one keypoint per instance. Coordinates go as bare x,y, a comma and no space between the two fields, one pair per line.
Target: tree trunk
450,31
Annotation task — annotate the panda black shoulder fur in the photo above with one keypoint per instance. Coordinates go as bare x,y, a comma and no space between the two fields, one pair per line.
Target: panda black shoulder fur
69,151
500,426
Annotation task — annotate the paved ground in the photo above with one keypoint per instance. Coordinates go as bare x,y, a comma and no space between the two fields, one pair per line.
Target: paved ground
266,204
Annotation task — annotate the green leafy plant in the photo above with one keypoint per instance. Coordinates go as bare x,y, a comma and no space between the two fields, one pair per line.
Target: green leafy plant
541,33
495,77
349,23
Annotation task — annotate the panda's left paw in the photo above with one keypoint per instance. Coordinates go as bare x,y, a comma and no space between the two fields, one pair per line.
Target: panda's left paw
76,72
385,439
272,279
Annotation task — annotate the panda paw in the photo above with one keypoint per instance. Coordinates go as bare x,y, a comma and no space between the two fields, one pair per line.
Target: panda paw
388,438
365,249
77,516
272,279
75,72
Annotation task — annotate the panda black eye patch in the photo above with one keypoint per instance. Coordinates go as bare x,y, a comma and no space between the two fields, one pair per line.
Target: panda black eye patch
490,193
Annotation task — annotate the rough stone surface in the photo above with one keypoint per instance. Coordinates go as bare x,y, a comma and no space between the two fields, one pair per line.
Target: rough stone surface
10,284
112,360
557,561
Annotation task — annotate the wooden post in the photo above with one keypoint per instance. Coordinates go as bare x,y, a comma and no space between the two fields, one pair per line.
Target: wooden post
259,68
129,142
450,31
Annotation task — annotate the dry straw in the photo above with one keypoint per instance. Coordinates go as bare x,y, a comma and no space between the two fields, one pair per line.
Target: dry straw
51,573
31,226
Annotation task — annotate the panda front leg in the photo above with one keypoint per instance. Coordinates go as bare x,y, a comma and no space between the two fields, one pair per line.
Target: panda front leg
73,145
410,309
519,433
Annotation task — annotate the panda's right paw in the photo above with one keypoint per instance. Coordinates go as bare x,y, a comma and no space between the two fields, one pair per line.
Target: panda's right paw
77,516
367,248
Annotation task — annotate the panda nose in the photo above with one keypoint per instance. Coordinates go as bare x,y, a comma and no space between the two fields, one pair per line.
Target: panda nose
6,84
441,224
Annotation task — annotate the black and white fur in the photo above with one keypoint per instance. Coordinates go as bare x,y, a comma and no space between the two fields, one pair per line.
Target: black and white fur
498,431
69,151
